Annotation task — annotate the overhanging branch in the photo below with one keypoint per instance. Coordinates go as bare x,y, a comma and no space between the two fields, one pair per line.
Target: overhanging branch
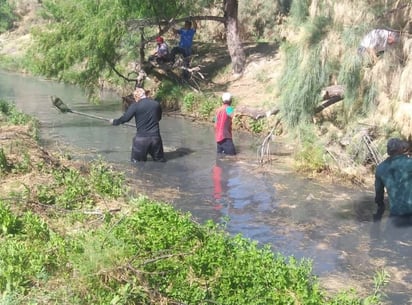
137,23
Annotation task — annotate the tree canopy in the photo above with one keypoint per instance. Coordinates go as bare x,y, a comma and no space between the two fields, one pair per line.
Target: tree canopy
85,39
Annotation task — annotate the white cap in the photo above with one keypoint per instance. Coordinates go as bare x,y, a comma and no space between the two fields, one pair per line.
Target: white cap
226,97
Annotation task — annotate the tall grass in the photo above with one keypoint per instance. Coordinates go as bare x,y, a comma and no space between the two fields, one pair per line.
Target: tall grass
299,11
304,77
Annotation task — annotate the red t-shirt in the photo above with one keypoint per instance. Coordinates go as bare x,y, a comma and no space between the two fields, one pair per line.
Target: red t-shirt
223,123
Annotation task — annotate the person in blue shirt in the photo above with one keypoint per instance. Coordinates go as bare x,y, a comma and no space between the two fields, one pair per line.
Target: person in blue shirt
395,175
186,40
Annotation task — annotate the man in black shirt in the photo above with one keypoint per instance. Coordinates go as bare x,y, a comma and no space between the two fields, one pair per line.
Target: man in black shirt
147,113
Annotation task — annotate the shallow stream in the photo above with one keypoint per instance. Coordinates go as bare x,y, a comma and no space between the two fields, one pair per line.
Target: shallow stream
329,224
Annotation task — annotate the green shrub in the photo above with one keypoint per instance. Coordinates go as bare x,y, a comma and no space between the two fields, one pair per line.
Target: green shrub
256,126
106,181
169,95
74,190
208,106
9,223
31,253
311,155
7,16
189,102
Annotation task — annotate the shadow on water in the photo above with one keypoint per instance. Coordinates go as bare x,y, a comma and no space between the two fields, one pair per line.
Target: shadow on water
329,224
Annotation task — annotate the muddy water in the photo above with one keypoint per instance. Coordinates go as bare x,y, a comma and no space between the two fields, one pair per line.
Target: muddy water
329,224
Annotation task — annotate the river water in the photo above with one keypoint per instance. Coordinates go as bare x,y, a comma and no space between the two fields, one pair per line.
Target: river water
329,224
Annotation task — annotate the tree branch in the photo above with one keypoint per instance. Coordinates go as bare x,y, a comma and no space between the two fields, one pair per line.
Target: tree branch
328,102
137,23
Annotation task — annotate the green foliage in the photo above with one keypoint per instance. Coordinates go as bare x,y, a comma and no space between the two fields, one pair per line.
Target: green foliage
189,102
72,189
299,11
87,39
207,106
256,126
301,83
9,223
84,37
30,254
350,75
13,115
154,251
260,16
170,94
106,181
360,96
46,194
306,73
310,156
316,29
23,166
7,16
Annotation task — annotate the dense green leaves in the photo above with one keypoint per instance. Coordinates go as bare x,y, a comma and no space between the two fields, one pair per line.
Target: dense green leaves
85,39
6,16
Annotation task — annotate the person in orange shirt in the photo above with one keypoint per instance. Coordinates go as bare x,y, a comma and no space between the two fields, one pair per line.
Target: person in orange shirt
223,126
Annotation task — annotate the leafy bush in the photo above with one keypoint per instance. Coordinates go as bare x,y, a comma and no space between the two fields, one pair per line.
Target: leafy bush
106,181
29,253
189,102
14,116
7,16
72,189
207,106
169,95
9,223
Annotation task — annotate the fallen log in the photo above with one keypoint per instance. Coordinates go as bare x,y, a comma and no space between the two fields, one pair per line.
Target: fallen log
330,96
254,113
332,91
328,102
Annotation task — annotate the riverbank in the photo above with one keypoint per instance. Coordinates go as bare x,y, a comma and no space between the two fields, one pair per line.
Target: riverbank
326,154
83,240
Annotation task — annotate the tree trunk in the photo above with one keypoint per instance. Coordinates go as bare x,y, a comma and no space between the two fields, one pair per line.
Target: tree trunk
142,45
234,44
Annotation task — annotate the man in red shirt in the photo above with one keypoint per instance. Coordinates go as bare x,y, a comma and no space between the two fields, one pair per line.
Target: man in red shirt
223,126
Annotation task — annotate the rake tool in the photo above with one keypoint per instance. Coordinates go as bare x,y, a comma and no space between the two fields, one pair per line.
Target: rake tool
58,103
